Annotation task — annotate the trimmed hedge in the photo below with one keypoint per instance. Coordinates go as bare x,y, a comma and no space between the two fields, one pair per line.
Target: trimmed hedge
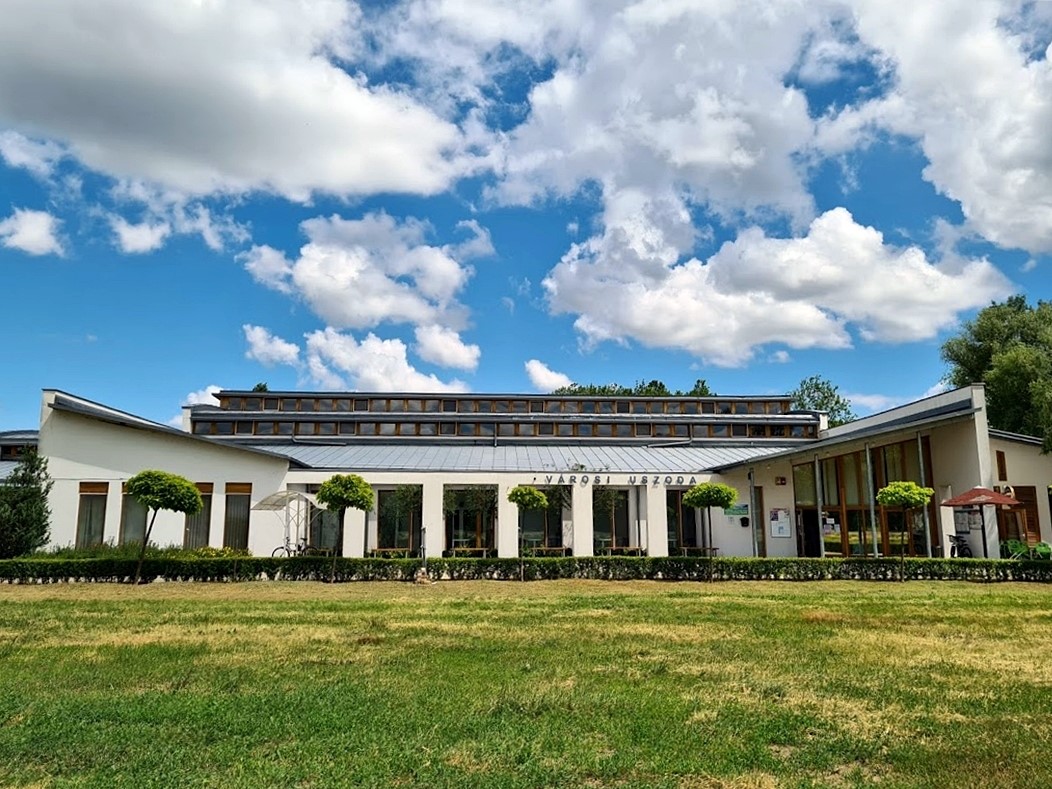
615,568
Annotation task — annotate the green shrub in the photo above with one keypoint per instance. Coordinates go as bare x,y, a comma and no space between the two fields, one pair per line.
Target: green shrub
186,567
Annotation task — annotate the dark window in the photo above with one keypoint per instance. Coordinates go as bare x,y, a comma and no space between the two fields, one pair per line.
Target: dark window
588,407
604,431
224,428
739,430
639,407
585,431
721,431
519,406
1002,466
723,408
367,428
775,407
623,406
681,430
536,406
673,408
624,431
466,406
387,428
545,429
323,404
252,403
196,529
342,404
606,407
779,431
505,429
288,404
565,430
202,428
757,431
486,429
708,408
264,428
449,428
396,406
449,406
741,408
236,517
701,431
643,430
797,431
326,428
552,406
484,406
91,516
304,428
662,431
690,408
347,428
244,428
378,406
414,406
466,429
133,520
428,428
528,430
270,404
431,406
361,405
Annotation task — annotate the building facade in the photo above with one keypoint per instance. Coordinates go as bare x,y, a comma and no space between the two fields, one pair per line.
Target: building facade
614,470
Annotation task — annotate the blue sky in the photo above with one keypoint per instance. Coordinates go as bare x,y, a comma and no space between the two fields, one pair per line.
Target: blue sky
448,195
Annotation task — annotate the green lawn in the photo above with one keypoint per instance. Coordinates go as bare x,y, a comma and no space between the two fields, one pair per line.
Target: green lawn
566,683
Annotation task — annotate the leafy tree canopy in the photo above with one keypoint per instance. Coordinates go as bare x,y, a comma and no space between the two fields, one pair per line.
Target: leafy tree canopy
819,394
528,497
710,494
908,495
1008,348
160,490
25,517
261,387
653,388
346,491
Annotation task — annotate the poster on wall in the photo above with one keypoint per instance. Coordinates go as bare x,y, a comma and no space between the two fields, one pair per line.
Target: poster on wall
967,520
780,523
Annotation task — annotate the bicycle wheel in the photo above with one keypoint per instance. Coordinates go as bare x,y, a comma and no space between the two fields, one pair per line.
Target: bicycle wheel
281,552
965,552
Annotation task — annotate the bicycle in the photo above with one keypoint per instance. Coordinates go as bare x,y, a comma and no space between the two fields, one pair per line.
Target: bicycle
959,547
288,548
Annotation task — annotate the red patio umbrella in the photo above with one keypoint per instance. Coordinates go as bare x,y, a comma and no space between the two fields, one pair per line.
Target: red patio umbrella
980,497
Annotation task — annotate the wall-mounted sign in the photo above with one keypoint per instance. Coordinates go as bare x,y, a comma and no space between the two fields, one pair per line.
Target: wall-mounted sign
652,480
736,511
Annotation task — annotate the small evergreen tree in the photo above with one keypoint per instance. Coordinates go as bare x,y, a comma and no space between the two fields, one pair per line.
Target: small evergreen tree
25,517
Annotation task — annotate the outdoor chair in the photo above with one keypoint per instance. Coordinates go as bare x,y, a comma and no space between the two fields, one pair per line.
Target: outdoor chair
1014,549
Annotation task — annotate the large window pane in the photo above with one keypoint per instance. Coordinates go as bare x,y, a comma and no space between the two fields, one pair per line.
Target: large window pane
804,485
235,521
195,532
133,520
91,519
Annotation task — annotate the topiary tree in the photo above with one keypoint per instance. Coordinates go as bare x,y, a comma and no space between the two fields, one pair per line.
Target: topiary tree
908,495
342,492
160,490
527,497
709,494
25,518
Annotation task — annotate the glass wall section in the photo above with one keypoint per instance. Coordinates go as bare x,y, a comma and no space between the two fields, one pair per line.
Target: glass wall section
324,533
832,515
197,526
471,515
682,524
541,531
236,516
133,520
610,520
399,516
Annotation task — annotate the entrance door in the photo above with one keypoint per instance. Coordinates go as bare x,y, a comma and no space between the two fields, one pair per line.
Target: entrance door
810,535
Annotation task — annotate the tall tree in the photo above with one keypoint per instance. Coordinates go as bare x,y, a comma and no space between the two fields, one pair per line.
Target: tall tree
25,518
160,490
1008,348
819,394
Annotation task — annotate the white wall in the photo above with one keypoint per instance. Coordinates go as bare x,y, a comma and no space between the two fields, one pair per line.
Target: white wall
958,465
82,449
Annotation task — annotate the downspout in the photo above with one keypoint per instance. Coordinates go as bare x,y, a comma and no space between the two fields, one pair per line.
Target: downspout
872,501
821,515
927,524
639,527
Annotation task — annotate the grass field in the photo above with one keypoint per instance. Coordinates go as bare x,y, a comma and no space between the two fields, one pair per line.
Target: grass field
565,683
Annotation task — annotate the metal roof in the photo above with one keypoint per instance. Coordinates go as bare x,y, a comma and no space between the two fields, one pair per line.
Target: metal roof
19,436
6,467
511,458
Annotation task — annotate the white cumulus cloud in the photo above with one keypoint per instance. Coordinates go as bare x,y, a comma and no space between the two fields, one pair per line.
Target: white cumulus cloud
358,273
32,232
336,359
206,396
139,238
225,97
543,378
804,292
37,156
267,348
444,347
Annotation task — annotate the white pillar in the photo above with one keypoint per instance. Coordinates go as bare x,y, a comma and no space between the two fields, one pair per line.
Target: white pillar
354,533
217,524
582,544
111,523
507,524
434,519
657,522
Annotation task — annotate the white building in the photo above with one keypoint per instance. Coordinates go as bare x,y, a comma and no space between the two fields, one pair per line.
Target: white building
614,468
